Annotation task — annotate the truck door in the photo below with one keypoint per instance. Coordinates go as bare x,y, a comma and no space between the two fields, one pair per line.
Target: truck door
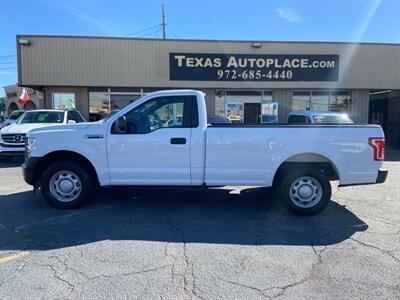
150,145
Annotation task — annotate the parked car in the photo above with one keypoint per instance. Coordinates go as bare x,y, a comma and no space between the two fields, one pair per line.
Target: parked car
304,117
12,118
269,119
137,146
12,137
213,120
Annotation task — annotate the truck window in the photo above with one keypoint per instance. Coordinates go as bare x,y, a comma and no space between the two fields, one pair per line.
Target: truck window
301,120
159,113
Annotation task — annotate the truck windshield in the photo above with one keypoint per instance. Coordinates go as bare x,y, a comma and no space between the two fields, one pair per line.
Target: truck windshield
55,117
332,119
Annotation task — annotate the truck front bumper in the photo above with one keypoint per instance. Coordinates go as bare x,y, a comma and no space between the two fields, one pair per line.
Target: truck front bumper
28,169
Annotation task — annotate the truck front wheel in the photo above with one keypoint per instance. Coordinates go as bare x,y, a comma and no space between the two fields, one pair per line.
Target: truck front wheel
304,191
65,184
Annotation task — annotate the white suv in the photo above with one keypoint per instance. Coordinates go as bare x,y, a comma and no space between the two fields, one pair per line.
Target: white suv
12,137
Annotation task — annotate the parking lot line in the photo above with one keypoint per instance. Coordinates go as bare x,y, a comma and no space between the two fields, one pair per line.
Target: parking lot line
7,258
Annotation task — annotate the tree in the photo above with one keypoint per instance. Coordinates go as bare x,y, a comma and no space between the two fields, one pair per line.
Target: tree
2,106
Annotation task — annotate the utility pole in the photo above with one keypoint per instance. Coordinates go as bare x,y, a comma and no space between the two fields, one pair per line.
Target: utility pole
163,21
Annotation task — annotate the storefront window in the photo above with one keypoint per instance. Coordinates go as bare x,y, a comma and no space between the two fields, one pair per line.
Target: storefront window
102,103
325,100
98,102
340,101
63,100
301,100
320,100
119,101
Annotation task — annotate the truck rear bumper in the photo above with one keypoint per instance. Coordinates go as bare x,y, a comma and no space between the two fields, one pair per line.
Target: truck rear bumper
382,175
380,178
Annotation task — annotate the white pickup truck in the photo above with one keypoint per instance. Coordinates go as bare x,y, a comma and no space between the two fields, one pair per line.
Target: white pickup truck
163,139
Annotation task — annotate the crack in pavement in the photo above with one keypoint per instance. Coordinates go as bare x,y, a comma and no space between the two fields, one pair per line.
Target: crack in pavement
188,276
189,287
387,252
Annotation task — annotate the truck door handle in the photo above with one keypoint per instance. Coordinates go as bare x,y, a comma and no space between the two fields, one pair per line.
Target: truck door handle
178,141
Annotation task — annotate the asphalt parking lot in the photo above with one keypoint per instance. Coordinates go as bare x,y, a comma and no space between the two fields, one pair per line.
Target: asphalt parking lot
224,243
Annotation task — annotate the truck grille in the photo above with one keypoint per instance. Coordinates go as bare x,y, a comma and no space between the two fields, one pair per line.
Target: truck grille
13,139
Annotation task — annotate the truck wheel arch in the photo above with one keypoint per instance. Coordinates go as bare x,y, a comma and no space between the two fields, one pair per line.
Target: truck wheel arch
308,160
55,156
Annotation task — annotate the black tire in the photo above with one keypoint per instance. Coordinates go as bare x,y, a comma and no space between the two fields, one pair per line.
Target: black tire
305,178
6,159
79,171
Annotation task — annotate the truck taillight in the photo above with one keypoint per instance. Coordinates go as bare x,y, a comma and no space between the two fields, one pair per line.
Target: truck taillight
378,144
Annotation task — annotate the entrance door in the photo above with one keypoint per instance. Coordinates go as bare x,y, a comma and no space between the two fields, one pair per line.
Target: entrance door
151,144
252,112
378,113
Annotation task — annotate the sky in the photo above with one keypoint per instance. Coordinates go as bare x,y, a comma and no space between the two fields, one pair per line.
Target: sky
273,20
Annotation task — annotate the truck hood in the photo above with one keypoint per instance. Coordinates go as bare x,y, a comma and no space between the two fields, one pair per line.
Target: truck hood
65,127
22,128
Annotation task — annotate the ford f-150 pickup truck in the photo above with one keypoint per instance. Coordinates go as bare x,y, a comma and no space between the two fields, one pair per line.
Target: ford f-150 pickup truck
163,139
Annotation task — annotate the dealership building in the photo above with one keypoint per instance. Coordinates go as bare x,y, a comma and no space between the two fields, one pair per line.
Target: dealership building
246,80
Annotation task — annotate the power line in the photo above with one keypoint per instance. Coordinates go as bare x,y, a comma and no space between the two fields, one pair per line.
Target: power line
10,56
151,33
143,30
8,68
170,30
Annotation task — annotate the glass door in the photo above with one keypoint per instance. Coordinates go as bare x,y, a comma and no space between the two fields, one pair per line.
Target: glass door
234,112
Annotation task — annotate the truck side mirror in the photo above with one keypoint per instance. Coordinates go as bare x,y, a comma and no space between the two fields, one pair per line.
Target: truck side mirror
120,125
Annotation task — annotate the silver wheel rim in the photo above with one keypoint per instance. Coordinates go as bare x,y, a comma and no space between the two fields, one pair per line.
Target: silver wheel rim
65,186
305,192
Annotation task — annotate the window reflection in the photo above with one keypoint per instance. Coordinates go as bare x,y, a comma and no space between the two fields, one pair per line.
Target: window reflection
100,105
63,100
325,100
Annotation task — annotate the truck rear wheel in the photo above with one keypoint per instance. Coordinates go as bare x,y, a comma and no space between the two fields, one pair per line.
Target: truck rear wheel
304,191
65,184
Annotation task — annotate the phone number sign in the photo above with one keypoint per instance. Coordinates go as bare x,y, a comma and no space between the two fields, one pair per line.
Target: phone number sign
253,67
